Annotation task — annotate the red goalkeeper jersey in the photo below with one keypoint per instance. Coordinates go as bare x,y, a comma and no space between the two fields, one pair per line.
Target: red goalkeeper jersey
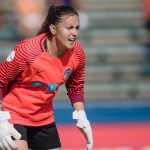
146,4
32,78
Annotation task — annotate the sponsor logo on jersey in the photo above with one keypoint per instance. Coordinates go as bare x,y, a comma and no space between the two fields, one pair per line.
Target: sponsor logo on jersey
48,87
51,87
67,72
37,84
11,56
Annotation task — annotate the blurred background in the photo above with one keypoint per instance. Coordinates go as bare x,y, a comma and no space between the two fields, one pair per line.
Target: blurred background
116,38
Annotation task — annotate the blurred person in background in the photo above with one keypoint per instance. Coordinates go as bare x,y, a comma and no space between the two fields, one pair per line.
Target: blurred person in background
146,7
30,78
2,20
29,15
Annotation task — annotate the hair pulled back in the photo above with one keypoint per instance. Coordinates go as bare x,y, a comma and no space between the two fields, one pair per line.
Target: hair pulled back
54,17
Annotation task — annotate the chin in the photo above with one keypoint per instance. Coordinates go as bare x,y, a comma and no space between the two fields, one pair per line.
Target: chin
71,45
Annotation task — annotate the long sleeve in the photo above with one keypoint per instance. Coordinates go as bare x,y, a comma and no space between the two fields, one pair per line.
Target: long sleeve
75,83
10,69
24,53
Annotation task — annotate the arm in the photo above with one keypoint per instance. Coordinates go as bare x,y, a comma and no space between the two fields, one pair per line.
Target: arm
75,83
14,64
75,87
78,106
83,123
9,70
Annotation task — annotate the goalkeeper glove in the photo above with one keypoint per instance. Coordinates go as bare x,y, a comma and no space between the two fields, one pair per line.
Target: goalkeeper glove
84,125
6,131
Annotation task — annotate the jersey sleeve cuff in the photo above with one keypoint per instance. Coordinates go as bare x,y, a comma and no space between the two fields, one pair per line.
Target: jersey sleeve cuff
1,95
76,98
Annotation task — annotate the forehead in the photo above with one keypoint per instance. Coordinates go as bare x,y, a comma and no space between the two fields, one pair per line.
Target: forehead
69,19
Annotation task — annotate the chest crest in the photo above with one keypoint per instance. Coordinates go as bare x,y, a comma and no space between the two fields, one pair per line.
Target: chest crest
67,72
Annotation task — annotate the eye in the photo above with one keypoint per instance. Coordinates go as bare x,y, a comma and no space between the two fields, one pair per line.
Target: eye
70,27
78,28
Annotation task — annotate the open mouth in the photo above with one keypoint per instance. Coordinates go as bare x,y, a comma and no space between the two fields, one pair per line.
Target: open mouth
72,40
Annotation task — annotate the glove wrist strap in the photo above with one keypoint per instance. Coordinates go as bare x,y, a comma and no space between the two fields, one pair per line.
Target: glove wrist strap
79,114
4,115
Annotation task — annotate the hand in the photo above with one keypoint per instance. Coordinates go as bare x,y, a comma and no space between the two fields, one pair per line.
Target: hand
6,131
84,125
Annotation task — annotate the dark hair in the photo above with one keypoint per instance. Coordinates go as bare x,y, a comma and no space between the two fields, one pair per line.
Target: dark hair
54,17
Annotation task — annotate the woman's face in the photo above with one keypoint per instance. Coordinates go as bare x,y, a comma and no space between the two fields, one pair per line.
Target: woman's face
67,31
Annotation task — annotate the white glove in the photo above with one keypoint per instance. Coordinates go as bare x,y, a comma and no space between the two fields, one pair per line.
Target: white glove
6,131
84,125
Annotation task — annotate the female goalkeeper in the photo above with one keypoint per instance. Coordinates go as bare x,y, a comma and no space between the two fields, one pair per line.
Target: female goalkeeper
30,77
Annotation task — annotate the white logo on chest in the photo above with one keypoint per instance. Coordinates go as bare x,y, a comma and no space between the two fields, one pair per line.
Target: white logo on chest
11,56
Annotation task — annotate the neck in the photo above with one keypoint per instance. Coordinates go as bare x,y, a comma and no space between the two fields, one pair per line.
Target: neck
53,49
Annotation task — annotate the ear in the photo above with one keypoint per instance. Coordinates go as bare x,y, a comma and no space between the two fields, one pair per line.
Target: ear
52,28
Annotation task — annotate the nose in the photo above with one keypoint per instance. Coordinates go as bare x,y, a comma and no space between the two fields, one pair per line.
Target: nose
75,32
